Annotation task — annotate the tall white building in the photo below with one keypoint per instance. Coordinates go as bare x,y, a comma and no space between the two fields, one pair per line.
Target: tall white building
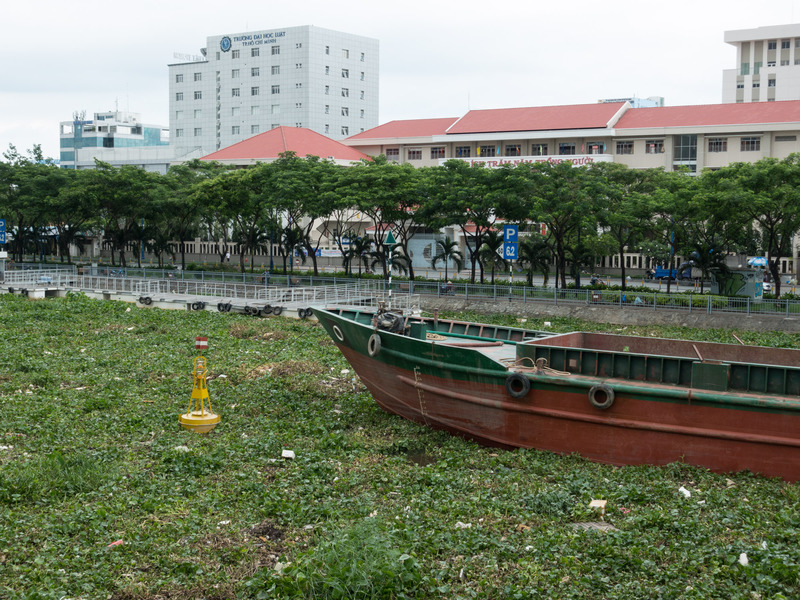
768,65
320,79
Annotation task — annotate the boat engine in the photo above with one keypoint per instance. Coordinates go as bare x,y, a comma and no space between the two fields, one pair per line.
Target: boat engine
389,321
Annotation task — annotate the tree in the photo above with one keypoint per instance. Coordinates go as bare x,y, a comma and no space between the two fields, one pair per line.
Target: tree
625,215
561,196
535,255
447,251
491,253
767,193
360,251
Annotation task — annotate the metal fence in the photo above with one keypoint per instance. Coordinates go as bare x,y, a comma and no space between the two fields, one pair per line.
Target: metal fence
310,289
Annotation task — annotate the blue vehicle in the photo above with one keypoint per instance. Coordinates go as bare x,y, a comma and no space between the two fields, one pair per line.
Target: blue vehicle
662,273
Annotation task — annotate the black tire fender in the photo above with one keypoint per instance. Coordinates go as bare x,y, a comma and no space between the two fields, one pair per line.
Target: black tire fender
301,312
374,345
221,307
601,396
267,310
518,385
148,300
277,310
309,312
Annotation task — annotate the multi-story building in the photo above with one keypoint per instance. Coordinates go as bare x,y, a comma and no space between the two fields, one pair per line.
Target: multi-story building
115,137
310,77
768,65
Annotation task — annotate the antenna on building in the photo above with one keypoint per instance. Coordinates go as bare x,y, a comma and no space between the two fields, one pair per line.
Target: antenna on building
79,115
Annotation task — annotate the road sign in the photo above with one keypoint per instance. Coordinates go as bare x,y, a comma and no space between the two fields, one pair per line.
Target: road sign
2,231
510,251
510,233
390,241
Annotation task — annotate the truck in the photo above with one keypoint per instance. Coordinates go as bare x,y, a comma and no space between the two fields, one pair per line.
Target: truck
662,273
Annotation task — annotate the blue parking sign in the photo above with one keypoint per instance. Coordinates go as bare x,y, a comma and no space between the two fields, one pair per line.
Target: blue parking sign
510,251
510,233
2,231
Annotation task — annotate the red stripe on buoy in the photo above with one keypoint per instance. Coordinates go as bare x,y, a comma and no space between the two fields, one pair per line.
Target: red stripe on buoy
201,343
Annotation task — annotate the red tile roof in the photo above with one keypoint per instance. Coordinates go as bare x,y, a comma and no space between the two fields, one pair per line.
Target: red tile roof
409,128
268,145
542,118
745,113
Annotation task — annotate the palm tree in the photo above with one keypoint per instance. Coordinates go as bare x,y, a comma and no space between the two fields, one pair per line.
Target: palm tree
490,254
536,254
361,251
447,250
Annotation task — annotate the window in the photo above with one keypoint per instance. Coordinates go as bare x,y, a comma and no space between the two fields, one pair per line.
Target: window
298,124
785,63
298,45
298,85
179,78
198,131
178,96
234,73
757,67
784,44
276,69
255,109
539,150
235,92
198,76
276,89
785,138
198,113
327,49
255,52
751,144
254,72
756,84
254,90
235,111
179,133
512,150
327,90
345,130
235,130
235,54
362,75
771,83
740,85
362,113
298,65
275,109
363,57
362,94
345,111
298,105
345,53
654,146
345,93
276,50
566,148
327,128
625,147
327,109
770,63
437,152
274,125
254,128
178,114
415,154
772,45
346,73
595,147
327,70
198,95
487,151
717,144
393,154
745,69
463,151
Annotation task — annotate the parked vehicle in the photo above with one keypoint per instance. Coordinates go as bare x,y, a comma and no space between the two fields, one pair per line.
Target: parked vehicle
662,273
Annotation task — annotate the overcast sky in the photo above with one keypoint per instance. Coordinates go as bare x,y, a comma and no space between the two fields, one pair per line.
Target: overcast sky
439,58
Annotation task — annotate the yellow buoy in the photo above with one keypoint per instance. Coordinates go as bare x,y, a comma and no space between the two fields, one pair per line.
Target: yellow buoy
197,418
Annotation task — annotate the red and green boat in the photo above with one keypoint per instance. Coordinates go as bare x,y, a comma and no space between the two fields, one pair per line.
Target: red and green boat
623,400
